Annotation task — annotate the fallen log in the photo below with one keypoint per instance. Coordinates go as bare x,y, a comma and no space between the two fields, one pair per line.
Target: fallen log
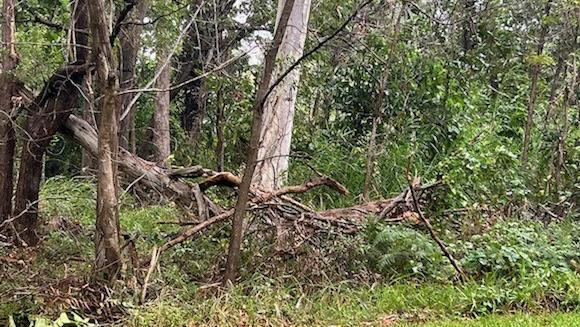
272,206
348,220
387,209
163,180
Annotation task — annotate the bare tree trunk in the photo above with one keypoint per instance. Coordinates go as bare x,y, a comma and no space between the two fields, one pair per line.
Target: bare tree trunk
7,89
130,42
47,113
88,161
107,251
276,134
378,106
371,152
534,75
560,70
468,25
162,180
570,93
234,250
161,135
219,122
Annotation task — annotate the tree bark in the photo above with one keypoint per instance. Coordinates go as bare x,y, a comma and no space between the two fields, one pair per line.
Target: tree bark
88,161
570,93
468,26
221,143
371,152
234,250
161,135
534,75
7,90
46,115
560,70
276,133
107,249
130,42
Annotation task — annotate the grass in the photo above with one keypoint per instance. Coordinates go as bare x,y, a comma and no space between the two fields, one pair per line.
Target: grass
262,302
571,319
177,295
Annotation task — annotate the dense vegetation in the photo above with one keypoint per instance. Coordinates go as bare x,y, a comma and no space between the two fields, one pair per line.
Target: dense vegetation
445,133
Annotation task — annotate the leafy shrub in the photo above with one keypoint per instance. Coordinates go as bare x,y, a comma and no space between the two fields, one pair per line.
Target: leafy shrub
513,249
544,289
400,252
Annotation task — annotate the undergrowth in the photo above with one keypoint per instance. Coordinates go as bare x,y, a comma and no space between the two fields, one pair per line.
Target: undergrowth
388,272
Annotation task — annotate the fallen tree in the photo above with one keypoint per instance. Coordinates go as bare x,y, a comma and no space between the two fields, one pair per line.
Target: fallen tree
267,206
167,182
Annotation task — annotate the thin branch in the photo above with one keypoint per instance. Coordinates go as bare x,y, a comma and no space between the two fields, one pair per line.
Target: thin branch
439,242
189,81
122,16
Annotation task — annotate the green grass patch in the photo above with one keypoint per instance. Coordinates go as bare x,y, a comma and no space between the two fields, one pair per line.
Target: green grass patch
571,319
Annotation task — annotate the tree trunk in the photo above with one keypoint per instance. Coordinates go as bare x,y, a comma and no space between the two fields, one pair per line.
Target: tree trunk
378,106
560,70
221,143
130,42
534,75
161,135
276,133
88,161
570,93
468,26
162,180
7,89
46,115
371,153
107,250
234,250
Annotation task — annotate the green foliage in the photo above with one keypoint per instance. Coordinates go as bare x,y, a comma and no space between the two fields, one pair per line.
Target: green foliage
517,320
515,249
540,60
74,198
400,252
64,320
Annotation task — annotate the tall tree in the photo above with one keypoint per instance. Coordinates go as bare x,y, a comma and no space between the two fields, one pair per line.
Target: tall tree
129,45
161,135
276,133
7,90
46,115
107,250
233,262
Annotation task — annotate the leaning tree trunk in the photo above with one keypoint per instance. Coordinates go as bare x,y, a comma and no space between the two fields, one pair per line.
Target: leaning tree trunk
276,133
107,249
46,115
234,250
7,89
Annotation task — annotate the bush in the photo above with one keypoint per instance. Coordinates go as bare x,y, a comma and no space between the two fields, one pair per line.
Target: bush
401,252
544,289
516,248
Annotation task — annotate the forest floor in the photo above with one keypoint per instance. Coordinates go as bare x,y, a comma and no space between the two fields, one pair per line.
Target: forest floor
53,278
